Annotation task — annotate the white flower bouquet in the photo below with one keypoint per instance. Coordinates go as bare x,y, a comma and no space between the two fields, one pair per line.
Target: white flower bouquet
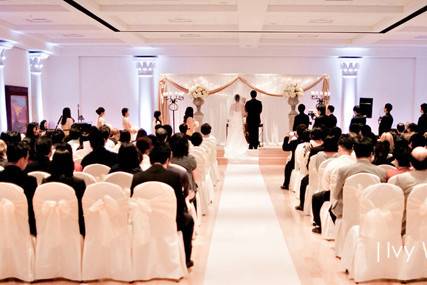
293,90
198,91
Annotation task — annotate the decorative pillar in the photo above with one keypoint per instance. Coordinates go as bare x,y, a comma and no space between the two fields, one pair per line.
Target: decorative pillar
349,71
293,102
3,116
145,66
36,98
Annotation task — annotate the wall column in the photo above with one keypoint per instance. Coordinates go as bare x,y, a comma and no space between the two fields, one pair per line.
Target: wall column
4,46
145,67
349,71
36,97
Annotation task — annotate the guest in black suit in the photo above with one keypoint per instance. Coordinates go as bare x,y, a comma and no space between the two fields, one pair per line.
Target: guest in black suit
358,118
386,121
422,121
128,158
42,155
159,158
17,155
254,109
332,120
62,169
99,154
321,120
301,119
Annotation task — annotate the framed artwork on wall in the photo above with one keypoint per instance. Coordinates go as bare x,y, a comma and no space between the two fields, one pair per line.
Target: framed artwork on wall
17,108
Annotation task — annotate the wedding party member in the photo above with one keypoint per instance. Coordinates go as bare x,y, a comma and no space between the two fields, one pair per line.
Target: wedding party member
235,144
192,125
321,121
422,121
100,121
253,109
99,154
126,124
62,171
66,120
386,121
17,155
157,120
302,118
332,120
358,117
160,158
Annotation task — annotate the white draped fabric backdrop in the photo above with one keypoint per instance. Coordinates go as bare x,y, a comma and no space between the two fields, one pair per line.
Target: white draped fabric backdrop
216,107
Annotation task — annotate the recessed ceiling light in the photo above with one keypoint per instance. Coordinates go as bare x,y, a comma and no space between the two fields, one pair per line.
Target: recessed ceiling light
73,35
37,20
321,21
190,35
179,20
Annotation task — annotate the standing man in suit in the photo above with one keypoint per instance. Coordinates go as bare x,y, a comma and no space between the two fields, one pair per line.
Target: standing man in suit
159,158
254,109
386,121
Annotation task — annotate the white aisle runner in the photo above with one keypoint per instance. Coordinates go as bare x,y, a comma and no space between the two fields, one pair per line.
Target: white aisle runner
247,245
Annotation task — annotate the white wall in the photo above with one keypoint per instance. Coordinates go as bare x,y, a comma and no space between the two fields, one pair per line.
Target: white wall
111,82
16,70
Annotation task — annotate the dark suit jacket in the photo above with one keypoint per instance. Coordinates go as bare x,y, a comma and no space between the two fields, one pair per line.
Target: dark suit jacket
422,123
331,121
79,187
321,122
301,118
254,109
118,168
385,124
13,174
159,173
101,156
41,164
360,120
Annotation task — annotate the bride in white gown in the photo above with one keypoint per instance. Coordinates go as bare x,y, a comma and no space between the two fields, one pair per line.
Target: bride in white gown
236,145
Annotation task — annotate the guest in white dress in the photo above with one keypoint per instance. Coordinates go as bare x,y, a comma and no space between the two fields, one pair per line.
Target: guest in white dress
66,121
126,124
100,121
235,145
192,124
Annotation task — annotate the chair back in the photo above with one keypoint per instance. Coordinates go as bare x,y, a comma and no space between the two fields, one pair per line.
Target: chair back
416,213
299,156
58,249
80,153
387,167
321,173
1,168
105,208
381,212
88,178
122,179
15,234
39,175
99,171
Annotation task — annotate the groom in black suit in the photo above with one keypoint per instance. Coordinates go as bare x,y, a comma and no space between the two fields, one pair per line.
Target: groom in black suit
254,109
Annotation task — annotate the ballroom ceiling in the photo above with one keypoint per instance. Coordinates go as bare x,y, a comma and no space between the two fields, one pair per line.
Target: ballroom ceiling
214,23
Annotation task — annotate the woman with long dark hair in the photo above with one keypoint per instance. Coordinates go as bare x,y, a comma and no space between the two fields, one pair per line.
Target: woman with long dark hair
31,136
157,121
189,121
66,121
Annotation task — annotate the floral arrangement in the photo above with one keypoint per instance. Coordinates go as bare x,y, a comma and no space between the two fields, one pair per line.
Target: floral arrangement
198,91
293,90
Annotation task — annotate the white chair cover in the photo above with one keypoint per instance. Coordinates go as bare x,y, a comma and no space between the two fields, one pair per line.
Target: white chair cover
200,177
387,167
296,174
99,171
16,245
122,179
416,233
321,174
1,168
39,175
78,160
88,178
158,249
367,252
328,226
107,247
81,153
59,244
353,188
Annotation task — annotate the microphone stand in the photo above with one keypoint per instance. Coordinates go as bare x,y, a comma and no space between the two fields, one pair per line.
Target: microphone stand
59,121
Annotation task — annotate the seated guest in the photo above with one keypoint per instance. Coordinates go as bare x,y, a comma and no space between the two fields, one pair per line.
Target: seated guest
62,170
57,137
422,121
410,130
363,149
169,131
162,135
332,120
180,156
408,180
290,143
10,137
144,146
99,154
381,153
417,140
3,154
387,136
128,159
183,129
328,180
42,156
18,155
160,158
206,131
73,138
366,132
400,128
141,133
401,156
301,118
358,117
124,137
386,121
355,131
196,139
31,136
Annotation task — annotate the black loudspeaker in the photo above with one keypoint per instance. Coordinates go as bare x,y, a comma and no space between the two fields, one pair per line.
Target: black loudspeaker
366,105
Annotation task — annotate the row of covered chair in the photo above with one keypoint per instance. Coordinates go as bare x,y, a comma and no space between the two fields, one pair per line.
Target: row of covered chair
126,238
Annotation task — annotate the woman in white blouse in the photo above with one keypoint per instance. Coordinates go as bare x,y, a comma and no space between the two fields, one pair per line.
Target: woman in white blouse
100,121
66,121
126,124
